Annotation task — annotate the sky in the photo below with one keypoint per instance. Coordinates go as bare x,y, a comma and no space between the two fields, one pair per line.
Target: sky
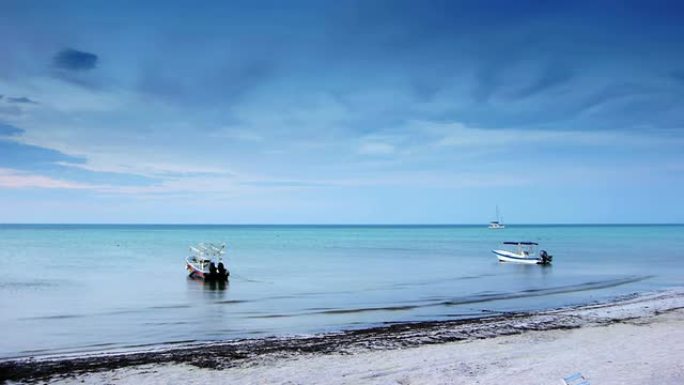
341,112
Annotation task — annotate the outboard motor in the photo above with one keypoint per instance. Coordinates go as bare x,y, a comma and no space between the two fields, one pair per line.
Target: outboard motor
545,257
223,273
212,271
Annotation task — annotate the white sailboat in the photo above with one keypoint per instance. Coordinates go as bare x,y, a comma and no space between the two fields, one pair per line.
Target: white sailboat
497,224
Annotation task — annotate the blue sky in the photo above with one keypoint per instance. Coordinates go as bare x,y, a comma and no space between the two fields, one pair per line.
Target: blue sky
341,112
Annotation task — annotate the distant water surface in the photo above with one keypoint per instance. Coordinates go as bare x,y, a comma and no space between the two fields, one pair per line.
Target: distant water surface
74,288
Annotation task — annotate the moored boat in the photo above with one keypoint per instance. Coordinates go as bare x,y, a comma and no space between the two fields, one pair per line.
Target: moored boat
206,262
523,252
497,224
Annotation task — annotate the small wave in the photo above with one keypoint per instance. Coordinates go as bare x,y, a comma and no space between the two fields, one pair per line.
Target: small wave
179,306
267,316
53,317
174,342
368,309
433,281
28,285
108,313
167,323
474,314
595,285
256,332
231,301
100,345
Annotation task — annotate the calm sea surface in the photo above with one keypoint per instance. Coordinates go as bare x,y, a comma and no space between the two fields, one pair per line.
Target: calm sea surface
72,288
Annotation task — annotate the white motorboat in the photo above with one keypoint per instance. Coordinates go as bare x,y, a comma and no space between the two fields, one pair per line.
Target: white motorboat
497,224
206,262
523,252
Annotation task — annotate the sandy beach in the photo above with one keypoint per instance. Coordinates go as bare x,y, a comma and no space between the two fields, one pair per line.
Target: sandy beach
635,340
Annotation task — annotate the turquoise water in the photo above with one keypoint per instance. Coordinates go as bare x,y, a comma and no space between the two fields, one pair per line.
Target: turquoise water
73,288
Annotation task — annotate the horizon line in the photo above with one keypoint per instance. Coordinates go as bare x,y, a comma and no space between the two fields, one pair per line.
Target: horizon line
484,224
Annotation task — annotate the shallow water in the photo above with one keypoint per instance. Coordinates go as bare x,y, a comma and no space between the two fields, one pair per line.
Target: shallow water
69,288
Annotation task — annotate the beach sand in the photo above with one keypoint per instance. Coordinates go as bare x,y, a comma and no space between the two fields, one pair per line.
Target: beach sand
637,340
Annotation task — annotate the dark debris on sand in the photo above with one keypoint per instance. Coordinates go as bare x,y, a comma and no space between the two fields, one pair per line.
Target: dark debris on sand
223,355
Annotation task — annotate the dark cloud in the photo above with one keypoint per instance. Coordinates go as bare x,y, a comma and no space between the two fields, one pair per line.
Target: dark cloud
678,75
553,76
74,60
616,106
612,94
9,130
21,100
487,81
625,105
222,83
11,110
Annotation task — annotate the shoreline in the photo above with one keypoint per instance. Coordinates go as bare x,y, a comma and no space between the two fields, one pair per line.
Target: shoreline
241,353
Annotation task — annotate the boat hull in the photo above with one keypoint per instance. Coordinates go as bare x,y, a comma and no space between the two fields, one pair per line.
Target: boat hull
196,272
507,256
193,271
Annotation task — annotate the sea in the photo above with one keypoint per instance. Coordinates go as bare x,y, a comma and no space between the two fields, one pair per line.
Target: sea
72,289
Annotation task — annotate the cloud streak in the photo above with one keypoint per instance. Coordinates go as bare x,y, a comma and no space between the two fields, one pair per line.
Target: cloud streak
13,179
21,100
9,130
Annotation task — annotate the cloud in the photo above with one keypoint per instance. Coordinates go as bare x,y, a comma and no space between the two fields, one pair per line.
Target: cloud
43,159
287,183
552,76
14,179
237,134
611,93
16,155
376,148
222,81
677,75
9,130
459,135
73,60
10,110
21,100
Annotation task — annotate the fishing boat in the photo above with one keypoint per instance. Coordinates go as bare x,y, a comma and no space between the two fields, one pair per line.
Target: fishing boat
497,224
523,252
206,262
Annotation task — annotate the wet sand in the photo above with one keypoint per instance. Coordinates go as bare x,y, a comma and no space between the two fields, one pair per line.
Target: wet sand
634,340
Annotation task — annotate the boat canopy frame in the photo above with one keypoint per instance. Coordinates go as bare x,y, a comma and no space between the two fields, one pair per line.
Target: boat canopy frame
208,251
521,243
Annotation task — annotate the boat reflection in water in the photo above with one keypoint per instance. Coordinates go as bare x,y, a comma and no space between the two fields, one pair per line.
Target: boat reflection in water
215,285
201,294
207,285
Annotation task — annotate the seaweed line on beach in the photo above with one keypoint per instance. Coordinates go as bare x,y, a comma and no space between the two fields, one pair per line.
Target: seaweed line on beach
221,355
